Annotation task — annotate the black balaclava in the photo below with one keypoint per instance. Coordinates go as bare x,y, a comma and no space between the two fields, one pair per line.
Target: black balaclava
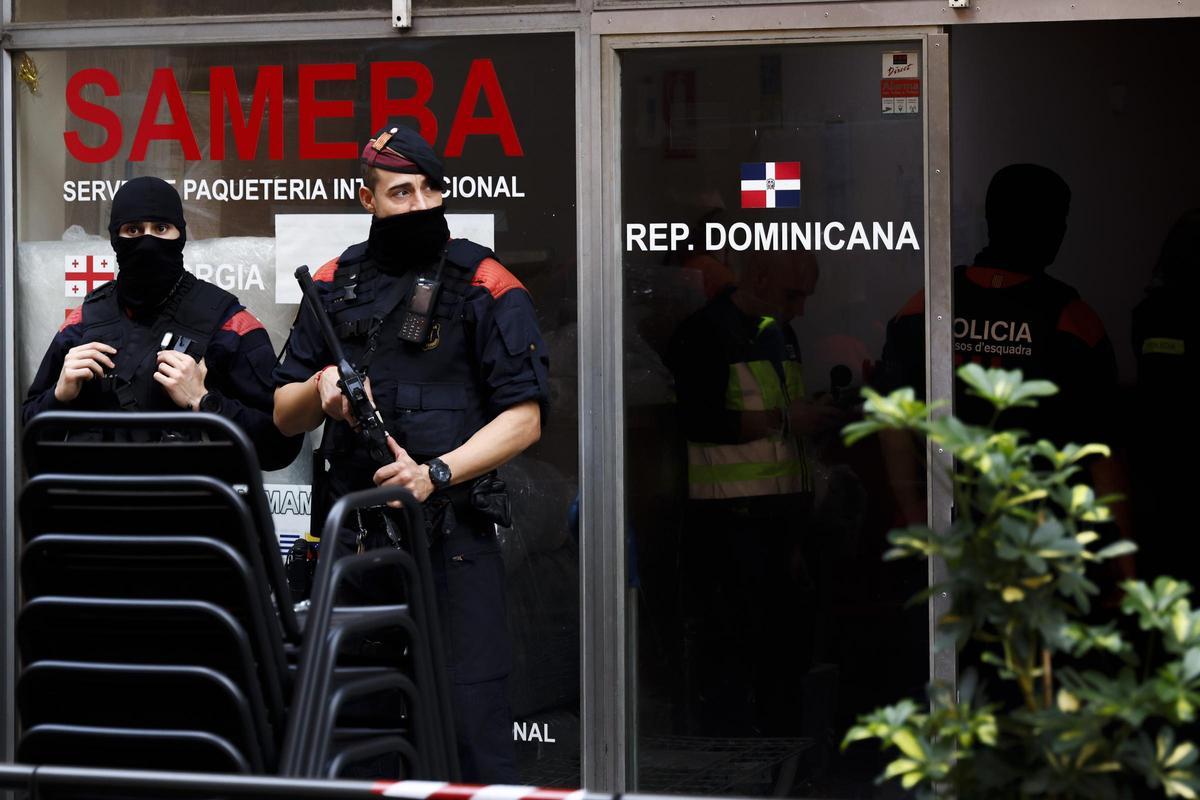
150,267
415,239
1026,216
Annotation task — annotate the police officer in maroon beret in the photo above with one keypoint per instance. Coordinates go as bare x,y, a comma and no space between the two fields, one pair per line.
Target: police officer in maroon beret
455,362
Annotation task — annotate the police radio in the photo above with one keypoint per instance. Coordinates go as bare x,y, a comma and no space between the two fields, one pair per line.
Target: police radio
418,315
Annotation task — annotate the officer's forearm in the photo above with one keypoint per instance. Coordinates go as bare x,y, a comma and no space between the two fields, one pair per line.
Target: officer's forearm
275,450
506,436
297,408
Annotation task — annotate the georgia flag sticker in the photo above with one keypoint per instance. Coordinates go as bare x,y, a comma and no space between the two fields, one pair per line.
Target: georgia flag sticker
85,273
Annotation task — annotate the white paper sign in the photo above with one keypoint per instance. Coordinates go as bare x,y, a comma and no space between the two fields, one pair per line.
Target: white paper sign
290,506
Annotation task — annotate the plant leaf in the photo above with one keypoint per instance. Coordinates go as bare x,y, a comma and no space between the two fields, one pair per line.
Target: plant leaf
908,744
1120,548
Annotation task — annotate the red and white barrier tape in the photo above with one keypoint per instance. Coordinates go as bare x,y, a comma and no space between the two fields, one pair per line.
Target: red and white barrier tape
435,790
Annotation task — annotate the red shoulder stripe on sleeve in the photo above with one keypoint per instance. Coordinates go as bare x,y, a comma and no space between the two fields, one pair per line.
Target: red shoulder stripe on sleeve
492,276
1080,320
242,323
74,317
325,273
914,306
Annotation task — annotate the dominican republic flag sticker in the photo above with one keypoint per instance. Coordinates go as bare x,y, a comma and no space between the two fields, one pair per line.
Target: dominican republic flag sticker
771,184
84,273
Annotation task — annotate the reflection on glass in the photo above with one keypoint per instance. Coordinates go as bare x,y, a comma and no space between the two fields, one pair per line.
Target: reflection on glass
1104,312
262,143
772,226
1161,488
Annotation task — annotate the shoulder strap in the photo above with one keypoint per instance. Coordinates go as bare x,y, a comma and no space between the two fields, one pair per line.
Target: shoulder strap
467,254
463,258
102,320
362,296
353,267
100,309
386,302
198,315
352,255
121,380
162,324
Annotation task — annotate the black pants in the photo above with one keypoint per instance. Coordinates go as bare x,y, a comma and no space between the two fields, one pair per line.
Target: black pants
748,608
468,573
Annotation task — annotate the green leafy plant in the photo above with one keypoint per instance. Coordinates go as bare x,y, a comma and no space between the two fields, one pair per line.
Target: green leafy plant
1057,703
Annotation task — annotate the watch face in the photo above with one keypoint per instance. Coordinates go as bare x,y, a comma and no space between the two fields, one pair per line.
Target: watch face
210,402
439,473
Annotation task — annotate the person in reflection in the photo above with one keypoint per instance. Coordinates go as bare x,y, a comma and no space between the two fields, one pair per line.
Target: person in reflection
461,397
1160,473
1010,314
746,417
159,339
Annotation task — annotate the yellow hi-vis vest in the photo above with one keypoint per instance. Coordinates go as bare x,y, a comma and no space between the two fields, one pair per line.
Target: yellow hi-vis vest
773,465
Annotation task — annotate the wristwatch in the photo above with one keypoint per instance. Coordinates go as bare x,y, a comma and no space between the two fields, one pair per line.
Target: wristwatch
210,402
439,473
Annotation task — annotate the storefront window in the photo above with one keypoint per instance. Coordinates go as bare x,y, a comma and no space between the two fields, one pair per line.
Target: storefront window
262,143
773,228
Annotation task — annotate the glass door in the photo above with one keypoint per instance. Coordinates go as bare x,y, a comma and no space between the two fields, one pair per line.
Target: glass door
773,223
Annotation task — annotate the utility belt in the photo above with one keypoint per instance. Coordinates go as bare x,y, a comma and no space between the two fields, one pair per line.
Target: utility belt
484,500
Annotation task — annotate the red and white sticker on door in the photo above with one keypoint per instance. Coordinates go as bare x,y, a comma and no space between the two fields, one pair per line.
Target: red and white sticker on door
901,84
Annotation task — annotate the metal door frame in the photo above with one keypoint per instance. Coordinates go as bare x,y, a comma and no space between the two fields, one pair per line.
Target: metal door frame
619,732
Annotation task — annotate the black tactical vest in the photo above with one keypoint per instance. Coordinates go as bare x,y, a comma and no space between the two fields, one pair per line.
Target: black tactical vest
191,317
1007,327
430,395
1011,327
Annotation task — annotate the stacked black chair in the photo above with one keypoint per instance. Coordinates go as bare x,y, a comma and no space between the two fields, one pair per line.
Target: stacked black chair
158,631
309,736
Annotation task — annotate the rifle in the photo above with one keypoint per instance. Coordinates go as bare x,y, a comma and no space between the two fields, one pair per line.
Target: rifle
350,380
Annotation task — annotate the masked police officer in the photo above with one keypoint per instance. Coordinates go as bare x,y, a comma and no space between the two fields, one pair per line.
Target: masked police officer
455,363
159,339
